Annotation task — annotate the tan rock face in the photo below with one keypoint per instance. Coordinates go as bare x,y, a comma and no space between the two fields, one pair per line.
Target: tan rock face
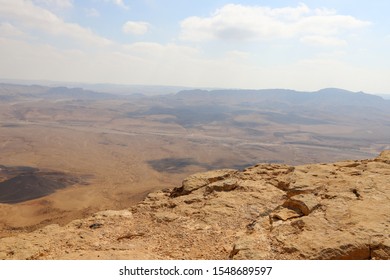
200,180
269,211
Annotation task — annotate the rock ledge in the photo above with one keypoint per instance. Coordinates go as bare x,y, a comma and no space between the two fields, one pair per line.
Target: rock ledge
269,211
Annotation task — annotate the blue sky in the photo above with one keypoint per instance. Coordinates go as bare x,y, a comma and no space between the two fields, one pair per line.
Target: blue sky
302,45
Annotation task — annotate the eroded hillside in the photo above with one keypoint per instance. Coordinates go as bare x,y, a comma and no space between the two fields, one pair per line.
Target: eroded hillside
269,211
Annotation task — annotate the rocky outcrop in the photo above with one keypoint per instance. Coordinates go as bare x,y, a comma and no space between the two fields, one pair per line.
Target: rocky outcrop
201,180
269,211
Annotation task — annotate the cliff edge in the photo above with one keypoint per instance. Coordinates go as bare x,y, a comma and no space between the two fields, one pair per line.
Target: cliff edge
269,211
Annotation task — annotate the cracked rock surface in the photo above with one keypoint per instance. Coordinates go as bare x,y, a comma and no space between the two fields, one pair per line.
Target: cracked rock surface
269,211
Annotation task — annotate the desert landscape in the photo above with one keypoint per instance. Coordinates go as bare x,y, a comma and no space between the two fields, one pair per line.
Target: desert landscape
194,130
334,211
67,153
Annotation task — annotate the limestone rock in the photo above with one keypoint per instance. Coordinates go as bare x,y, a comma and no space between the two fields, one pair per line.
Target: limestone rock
112,213
269,211
201,180
384,156
165,217
285,214
303,203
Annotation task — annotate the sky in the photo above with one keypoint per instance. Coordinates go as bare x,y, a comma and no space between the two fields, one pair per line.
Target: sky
301,45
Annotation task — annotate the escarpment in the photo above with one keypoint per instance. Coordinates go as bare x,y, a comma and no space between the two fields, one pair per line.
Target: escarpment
336,210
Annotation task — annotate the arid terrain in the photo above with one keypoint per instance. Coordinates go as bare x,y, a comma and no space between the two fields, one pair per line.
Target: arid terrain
338,210
66,153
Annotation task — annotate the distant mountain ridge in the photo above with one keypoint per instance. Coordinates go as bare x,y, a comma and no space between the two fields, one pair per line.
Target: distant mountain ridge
12,91
329,96
326,96
200,106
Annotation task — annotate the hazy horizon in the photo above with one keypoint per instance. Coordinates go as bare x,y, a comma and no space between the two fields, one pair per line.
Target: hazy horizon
150,90
247,44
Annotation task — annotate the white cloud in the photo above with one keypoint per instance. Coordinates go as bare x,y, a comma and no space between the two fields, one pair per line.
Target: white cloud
237,55
62,4
317,40
31,17
171,64
143,63
9,30
135,27
239,22
119,3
